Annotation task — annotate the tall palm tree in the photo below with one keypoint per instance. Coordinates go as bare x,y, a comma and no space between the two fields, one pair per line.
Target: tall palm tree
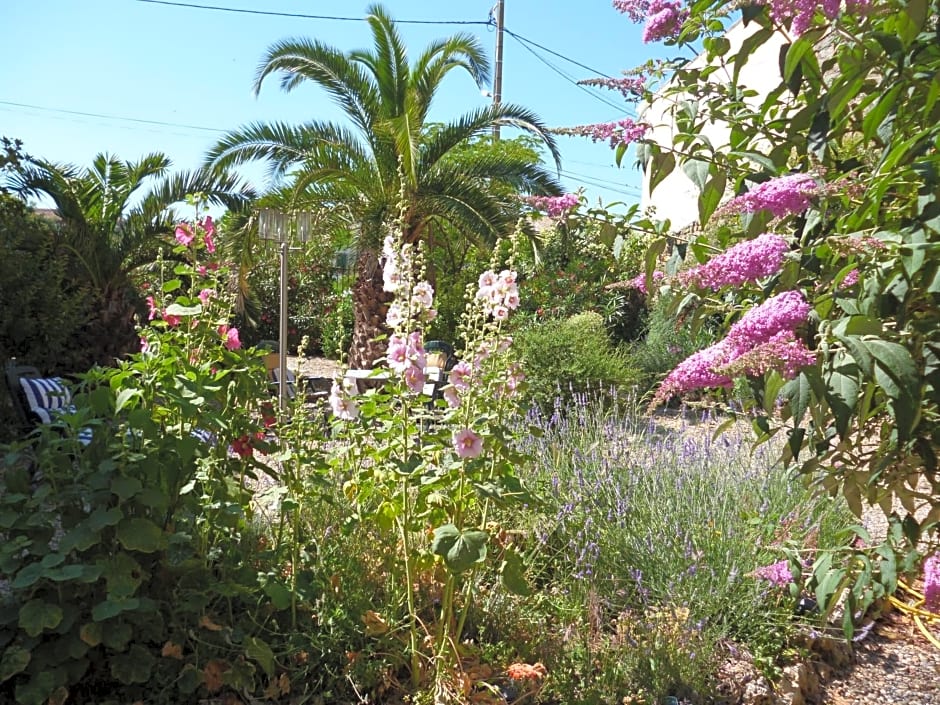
109,235
361,171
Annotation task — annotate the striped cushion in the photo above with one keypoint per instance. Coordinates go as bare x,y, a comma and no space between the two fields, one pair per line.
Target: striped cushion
276,382
44,394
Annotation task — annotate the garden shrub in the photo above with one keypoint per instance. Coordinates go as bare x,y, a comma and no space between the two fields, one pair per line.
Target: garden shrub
568,356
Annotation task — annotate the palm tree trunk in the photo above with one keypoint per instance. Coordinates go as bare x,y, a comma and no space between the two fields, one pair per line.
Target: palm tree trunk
370,302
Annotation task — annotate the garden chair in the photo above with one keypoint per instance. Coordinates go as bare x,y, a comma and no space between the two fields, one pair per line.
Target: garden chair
39,400
272,363
440,360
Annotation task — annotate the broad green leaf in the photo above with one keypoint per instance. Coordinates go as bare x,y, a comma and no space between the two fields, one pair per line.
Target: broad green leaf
661,165
135,666
512,574
122,574
112,607
260,651
125,487
279,594
15,660
172,285
39,615
461,550
124,396
710,197
883,107
28,576
91,633
140,535
697,170
180,310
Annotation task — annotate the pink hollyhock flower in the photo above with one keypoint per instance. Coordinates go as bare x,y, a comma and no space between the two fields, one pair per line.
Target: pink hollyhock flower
423,294
232,341
391,277
242,446
201,270
500,312
342,406
414,379
205,295
208,226
512,300
932,583
504,344
777,574
171,320
781,196
397,354
210,243
395,316
467,443
451,397
152,307
745,262
460,376
184,235
144,345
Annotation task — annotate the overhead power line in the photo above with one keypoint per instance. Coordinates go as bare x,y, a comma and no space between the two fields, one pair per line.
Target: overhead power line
81,113
555,53
300,15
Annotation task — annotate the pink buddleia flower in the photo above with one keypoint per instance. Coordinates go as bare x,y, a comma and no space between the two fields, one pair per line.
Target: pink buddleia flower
665,20
783,312
784,352
932,583
467,444
782,196
745,262
803,12
777,574
555,206
636,10
621,132
639,281
850,279
696,372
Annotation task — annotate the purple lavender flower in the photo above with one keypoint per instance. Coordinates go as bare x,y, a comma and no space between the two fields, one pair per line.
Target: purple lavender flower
932,583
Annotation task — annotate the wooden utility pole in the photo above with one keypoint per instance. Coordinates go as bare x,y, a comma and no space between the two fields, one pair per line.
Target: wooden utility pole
498,73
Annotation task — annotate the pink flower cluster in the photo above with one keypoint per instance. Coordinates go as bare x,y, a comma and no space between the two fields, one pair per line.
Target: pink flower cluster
407,357
230,337
745,262
185,234
663,18
763,339
639,281
499,293
629,87
621,132
555,206
781,196
850,279
802,12
776,573
932,583
395,280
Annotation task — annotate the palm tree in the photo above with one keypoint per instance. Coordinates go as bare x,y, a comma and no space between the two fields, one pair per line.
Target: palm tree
108,236
389,152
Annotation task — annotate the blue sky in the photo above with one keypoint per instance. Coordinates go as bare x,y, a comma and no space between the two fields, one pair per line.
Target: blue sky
77,78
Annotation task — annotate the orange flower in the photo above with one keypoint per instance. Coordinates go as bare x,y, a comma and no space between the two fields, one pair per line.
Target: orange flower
524,671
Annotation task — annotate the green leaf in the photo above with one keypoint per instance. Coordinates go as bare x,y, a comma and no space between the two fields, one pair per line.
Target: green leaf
172,285
710,197
260,652
512,574
140,535
661,165
125,487
279,594
15,660
179,310
461,550
38,615
112,607
697,170
878,114
28,576
124,396
134,666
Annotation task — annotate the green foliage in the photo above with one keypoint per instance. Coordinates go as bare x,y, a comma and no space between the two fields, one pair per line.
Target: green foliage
564,357
652,530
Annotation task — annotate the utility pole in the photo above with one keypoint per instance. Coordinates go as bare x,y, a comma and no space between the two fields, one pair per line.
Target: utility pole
498,73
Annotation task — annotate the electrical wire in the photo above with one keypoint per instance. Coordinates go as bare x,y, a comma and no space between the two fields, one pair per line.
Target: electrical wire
620,108
299,15
111,117
519,37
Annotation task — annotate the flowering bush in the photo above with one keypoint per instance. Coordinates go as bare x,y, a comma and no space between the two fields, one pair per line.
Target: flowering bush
830,211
